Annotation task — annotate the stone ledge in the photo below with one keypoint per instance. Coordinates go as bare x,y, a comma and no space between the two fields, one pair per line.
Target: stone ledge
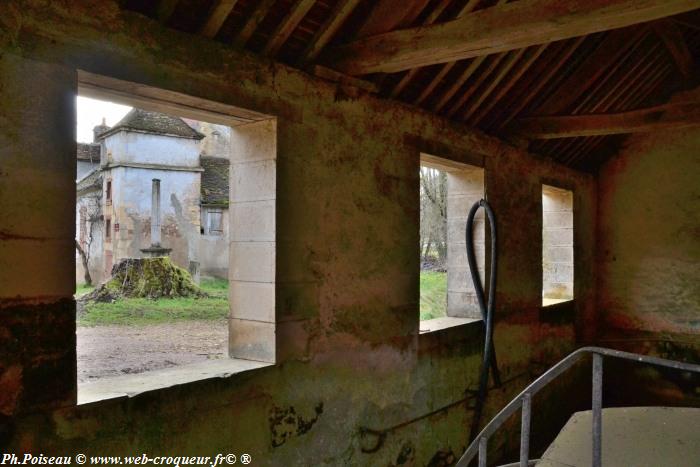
437,324
133,385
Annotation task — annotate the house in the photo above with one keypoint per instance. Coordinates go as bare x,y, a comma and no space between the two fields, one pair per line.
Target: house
114,194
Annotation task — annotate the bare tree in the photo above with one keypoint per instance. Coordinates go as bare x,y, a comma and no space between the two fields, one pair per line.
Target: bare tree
433,222
90,220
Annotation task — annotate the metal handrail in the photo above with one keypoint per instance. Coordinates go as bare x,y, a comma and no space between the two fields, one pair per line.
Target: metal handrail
524,401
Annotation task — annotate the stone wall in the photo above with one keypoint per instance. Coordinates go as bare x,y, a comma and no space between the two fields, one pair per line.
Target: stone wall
649,224
649,256
348,352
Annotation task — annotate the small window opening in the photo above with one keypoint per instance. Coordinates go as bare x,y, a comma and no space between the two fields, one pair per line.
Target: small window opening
448,189
557,245
108,192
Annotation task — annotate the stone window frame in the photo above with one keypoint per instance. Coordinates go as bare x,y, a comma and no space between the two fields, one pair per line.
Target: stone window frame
458,271
570,224
252,340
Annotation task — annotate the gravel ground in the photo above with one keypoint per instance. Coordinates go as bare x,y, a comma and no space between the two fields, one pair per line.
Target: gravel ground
117,350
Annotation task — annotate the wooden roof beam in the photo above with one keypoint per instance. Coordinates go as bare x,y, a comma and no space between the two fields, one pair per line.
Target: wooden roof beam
660,117
672,37
217,16
494,30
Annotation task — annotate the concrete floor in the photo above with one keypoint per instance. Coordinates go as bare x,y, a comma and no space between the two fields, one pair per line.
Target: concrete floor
632,436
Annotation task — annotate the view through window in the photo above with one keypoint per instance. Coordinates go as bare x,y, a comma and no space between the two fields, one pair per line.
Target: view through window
447,190
152,240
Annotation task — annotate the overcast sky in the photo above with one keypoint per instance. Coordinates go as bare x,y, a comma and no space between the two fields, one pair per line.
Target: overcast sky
91,112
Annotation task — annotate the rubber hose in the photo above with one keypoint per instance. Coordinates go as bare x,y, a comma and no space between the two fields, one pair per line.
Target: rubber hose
488,363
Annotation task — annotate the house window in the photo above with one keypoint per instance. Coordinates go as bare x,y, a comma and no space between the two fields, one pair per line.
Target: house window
108,228
108,192
213,223
448,189
557,245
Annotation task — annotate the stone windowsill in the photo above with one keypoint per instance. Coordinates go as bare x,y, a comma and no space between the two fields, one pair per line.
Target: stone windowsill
437,324
554,301
133,385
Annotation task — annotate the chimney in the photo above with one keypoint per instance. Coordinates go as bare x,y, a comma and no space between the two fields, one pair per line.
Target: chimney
98,130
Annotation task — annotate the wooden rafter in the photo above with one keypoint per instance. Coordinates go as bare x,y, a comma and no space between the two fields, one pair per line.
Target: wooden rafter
609,51
288,25
540,80
253,22
497,29
217,16
503,71
672,37
325,33
510,82
482,76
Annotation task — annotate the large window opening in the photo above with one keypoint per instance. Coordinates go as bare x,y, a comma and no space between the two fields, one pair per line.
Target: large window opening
174,244
448,189
557,245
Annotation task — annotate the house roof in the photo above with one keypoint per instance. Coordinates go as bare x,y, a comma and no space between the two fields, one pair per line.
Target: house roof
154,122
215,180
90,182
88,152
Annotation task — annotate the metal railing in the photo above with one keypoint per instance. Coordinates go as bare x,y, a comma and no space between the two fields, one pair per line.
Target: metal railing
524,402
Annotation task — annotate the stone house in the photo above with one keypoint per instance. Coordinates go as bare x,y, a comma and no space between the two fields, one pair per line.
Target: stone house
115,177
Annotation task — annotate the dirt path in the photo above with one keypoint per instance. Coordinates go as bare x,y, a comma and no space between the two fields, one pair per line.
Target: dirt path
118,350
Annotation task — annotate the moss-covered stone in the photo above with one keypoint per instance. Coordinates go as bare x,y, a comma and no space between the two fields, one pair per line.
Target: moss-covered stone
146,278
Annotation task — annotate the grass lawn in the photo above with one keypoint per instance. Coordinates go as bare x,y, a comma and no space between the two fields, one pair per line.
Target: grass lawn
433,294
137,311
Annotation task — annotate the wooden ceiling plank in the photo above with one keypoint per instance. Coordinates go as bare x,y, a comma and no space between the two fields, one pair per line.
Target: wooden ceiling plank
531,59
217,16
497,29
253,22
504,69
672,37
493,63
325,33
287,26
542,82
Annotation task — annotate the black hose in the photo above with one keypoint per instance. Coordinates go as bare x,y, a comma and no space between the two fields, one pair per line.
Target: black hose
488,362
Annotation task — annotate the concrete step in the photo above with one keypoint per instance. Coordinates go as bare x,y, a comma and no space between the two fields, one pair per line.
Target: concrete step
632,437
